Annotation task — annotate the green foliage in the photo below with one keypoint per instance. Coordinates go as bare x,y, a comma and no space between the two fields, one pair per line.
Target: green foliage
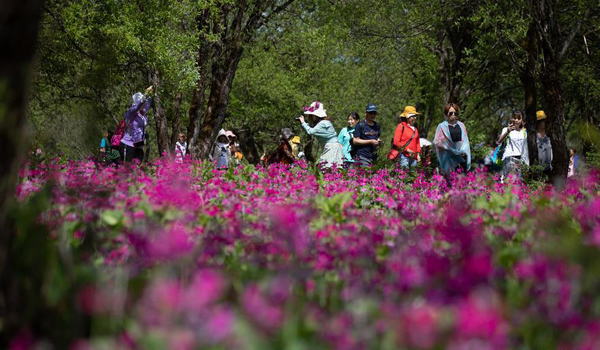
94,55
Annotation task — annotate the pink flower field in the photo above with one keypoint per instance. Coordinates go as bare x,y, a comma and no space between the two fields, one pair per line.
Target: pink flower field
181,256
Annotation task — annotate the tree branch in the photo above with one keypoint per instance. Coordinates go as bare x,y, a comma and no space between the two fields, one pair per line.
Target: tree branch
275,11
64,31
572,35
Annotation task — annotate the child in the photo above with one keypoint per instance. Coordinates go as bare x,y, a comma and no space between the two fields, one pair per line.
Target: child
108,155
221,153
180,148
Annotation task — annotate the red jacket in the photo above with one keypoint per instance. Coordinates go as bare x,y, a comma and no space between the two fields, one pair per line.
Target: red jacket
403,133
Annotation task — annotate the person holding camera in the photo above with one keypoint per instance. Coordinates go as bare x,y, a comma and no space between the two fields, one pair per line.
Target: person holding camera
516,151
366,137
324,132
132,143
452,142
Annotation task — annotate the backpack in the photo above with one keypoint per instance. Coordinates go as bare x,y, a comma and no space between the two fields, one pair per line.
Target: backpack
496,157
115,140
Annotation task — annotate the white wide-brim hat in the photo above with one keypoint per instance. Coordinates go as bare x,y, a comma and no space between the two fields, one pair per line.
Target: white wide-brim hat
316,108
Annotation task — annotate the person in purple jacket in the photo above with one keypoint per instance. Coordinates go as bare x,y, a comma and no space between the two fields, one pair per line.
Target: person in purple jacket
132,143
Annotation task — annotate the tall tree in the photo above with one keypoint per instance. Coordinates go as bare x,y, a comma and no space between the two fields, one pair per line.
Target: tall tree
222,39
551,19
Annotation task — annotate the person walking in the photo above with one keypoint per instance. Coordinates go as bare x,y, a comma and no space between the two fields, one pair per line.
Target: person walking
451,142
234,148
543,143
346,135
406,138
366,137
180,148
132,143
324,132
221,154
516,152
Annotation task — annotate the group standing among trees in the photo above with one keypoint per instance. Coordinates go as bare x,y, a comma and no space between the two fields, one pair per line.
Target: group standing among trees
356,144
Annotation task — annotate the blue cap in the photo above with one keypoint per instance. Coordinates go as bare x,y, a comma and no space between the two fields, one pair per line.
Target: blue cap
371,108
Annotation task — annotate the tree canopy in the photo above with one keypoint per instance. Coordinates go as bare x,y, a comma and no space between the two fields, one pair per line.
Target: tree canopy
250,66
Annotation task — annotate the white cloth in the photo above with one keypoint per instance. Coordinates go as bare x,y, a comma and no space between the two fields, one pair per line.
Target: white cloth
516,145
180,150
424,142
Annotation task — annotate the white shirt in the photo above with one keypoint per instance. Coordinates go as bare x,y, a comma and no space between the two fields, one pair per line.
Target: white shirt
516,145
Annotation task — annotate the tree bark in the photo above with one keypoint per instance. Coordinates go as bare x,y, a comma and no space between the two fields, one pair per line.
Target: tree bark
196,111
18,35
223,72
248,145
555,119
160,119
236,25
175,121
528,80
450,59
554,48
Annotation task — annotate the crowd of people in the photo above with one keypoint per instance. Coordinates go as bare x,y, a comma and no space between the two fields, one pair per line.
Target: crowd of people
357,144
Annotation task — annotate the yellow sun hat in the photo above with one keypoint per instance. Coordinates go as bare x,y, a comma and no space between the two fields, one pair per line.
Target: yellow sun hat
540,115
409,111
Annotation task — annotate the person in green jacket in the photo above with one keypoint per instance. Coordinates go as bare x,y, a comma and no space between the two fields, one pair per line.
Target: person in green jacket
324,132
346,135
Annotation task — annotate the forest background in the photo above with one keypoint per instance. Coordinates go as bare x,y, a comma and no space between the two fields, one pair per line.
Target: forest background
249,66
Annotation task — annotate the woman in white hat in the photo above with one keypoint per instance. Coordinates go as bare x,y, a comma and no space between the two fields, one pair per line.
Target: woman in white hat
324,132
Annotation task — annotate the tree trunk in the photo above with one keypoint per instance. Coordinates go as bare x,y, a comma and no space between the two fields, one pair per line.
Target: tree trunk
160,119
248,146
196,111
223,73
18,34
528,80
554,49
555,120
175,121
427,117
235,25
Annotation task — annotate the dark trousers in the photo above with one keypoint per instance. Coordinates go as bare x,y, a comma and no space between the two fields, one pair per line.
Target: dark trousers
129,153
363,161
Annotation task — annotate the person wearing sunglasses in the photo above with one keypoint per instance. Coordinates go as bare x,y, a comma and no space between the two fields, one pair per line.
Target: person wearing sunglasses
324,132
451,142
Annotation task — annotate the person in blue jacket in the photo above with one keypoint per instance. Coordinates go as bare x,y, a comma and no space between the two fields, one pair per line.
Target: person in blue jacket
346,135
